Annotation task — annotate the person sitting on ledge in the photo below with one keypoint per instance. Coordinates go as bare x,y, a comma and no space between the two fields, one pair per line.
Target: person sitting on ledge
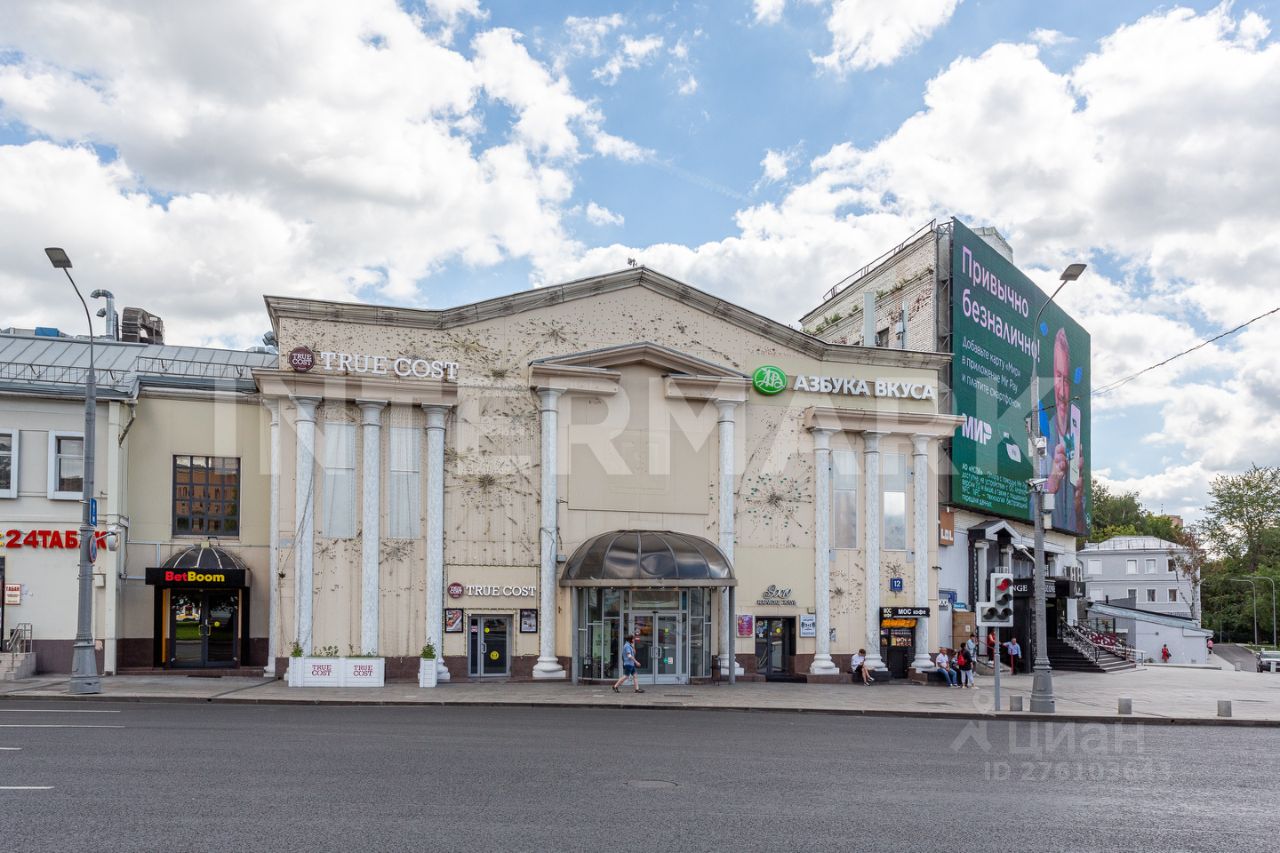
944,666
858,666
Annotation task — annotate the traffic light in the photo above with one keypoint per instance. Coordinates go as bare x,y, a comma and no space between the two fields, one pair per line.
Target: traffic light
997,610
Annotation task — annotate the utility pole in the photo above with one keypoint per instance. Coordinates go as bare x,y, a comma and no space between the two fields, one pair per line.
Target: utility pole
1273,605
84,664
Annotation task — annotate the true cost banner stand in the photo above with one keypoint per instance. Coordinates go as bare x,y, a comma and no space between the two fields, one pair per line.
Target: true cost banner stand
336,671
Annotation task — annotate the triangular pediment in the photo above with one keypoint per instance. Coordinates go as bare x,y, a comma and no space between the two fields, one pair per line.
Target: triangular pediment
662,358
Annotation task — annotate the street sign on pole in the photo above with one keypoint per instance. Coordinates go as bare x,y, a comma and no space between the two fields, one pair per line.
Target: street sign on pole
93,548
93,512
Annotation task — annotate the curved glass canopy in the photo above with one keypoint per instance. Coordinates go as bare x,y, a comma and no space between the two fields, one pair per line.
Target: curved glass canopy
647,558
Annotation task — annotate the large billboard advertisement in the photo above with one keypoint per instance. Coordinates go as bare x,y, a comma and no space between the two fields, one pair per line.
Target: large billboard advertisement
996,353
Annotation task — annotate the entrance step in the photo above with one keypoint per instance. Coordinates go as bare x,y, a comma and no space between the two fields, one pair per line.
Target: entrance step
14,666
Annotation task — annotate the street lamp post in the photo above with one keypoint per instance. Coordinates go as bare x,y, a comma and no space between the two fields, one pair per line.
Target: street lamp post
84,665
1254,586
1273,605
1042,699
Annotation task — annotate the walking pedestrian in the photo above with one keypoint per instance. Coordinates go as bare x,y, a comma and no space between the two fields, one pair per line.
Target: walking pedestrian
1209,643
628,665
991,648
943,663
1165,654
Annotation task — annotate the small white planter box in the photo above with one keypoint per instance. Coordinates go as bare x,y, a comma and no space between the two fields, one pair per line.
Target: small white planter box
336,672
426,672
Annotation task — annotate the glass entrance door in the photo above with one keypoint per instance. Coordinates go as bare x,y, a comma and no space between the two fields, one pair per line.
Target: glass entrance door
488,648
774,646
660,647
204,627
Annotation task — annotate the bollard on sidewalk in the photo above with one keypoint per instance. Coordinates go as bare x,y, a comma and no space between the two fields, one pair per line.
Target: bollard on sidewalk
1224,707
1125,705
1015,703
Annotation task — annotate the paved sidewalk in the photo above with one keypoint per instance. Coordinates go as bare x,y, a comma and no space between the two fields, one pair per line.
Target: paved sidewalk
1159,695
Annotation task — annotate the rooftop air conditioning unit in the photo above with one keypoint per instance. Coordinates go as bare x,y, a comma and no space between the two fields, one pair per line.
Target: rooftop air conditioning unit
141,327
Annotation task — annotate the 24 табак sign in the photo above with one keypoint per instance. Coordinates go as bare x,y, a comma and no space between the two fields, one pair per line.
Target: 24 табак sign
993,306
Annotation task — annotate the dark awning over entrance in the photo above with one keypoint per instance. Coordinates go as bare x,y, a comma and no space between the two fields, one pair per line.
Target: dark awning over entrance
647,558
201,566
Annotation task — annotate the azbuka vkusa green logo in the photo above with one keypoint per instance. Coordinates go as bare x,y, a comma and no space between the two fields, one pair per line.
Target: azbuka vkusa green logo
769,379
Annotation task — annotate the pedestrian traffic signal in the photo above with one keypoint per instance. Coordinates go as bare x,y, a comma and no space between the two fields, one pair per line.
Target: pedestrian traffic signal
997,610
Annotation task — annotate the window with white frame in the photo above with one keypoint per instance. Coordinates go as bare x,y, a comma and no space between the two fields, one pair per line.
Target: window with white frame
1130,567
1173,594
844,499
1095,567
1151,565
404,488
893,476
1131,593
339,484
66,466
1151,594
8,463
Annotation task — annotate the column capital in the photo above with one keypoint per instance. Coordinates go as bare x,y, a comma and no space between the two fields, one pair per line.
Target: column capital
821,438
982,544
549,398
272,405
871,441
371,411
727,409
306,407
435,414
920,444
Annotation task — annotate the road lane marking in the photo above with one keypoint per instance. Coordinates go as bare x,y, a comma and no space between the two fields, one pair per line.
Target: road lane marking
53,726
26,787
10,749
52,711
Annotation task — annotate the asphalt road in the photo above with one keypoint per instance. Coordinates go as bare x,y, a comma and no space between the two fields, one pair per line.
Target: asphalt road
125,776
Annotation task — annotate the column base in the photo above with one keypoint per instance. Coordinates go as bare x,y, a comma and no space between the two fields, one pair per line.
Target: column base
548,668
922,663
723,663
822,665
442,671
875,663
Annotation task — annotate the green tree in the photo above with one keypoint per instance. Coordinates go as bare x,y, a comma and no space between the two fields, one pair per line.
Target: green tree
1242,521
1114,513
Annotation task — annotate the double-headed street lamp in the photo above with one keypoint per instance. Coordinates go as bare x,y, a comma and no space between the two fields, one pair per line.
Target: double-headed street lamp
1254,586
84,665
1042,701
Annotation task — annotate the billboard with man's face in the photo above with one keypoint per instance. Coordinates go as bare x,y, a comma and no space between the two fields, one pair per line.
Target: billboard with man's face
995,355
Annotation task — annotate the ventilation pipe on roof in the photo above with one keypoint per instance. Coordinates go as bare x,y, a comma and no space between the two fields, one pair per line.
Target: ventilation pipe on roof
109,312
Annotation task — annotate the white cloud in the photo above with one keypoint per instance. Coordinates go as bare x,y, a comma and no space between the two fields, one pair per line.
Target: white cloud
769,11
631,53
688,86
322,149
870,33
1050,38
598,215
451,13
775,165
586,35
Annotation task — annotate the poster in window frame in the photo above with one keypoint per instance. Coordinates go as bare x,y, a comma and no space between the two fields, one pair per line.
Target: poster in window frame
528,620
453,620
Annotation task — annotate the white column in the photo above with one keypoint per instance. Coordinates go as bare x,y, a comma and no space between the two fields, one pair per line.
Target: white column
370,521
725,426
871,545
548,666
435,533
920,539
304,519
273,538
822,664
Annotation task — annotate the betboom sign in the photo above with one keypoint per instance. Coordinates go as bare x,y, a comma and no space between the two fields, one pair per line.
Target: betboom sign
303,360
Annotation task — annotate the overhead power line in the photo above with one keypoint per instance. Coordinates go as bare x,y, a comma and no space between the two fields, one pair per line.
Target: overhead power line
1107,389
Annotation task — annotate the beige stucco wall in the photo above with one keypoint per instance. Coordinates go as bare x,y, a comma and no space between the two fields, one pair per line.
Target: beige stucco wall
492,458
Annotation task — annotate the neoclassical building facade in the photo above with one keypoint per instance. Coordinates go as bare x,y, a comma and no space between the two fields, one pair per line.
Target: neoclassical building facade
521,482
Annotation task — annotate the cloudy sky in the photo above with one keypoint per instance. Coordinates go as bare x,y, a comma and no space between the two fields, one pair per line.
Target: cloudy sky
191,157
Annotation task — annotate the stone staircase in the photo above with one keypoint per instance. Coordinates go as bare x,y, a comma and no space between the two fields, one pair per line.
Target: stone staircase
1065,657
17,665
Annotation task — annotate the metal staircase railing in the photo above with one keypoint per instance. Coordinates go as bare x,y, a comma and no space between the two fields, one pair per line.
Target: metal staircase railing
19,640
1094,644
